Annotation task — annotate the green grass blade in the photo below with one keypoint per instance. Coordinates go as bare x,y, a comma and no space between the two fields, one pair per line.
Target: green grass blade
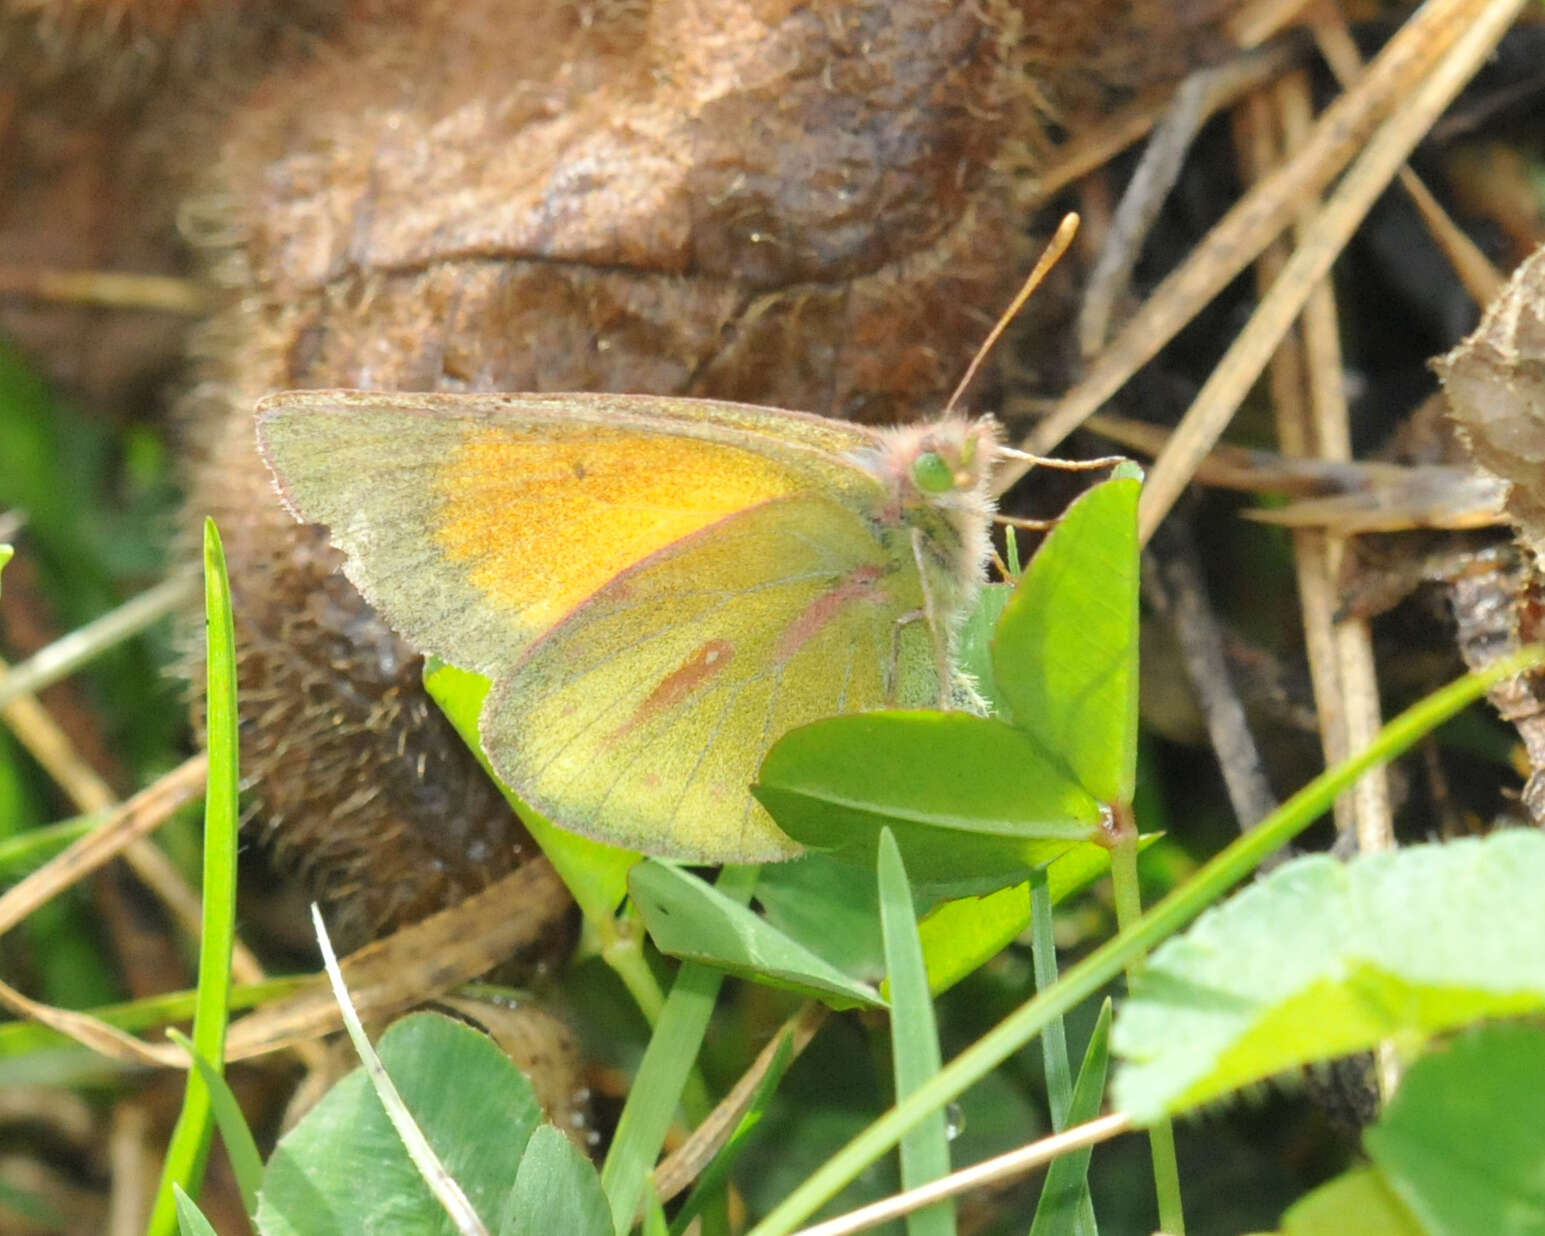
430,1169
188,1151
246,1162
27,851
925,1150
1065,1205
190,1219
654,1217
711,1183
1079,1218
667,1063
1054,1039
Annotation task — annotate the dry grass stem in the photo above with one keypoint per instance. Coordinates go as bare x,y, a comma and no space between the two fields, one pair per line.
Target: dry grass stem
1460,35
1399,74
989,1171
1093,148
107,289
1481,279
684,1164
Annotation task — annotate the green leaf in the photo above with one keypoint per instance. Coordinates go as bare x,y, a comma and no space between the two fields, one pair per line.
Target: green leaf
556,1190
1065,656
915,1057
1357,1201
1085,978
974,646
690,918
974,803
596,874
343,1168
1462,1143
828,906
190,1219
1065,1193
1321,959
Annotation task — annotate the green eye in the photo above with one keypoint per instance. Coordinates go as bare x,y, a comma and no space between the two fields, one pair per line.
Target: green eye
932,474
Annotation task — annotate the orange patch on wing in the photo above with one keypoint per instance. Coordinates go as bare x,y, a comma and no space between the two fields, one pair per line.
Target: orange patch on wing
543,517
706,662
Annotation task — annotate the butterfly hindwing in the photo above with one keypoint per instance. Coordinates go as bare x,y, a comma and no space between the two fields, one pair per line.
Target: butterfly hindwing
641,719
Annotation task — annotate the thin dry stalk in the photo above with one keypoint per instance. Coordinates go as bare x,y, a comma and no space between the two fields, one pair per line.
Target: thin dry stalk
47,742
989,1171
1401,74
415,963
1257,134
385,977
1481,279
127,823
108,289
1093,148
684,1164
1481,25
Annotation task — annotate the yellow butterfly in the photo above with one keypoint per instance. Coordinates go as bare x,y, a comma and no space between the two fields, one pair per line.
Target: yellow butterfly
658,588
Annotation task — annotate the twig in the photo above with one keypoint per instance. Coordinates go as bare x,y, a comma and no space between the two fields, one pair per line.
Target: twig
1481,279
68,653
682,1166
1172,581
1094,148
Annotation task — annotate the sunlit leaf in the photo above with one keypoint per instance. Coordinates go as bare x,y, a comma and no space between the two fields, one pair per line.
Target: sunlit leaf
1322,958
1065,655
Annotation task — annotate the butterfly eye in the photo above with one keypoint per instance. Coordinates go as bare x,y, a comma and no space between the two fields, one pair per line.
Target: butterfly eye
932,473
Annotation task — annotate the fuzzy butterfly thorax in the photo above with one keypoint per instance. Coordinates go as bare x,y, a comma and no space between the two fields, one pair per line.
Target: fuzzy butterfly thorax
939,476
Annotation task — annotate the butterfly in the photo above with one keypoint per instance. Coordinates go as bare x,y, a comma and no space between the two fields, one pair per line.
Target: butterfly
658,588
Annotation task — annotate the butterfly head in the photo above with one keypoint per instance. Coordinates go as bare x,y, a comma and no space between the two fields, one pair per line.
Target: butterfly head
937,484
953,458
945,466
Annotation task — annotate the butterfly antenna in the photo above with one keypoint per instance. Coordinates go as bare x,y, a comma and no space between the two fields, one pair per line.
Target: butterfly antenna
1066,465
1055,248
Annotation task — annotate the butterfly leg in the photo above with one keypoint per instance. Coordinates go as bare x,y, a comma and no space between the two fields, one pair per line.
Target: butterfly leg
893,668
936,627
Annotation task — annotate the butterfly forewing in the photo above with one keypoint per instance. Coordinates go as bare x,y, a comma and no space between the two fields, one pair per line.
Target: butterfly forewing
476,522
